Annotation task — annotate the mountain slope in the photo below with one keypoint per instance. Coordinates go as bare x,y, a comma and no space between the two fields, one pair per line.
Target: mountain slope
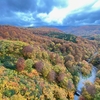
35,66
80,30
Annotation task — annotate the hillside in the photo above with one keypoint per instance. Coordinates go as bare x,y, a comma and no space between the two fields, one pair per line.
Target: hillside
93,37
80,30
42,66
44,30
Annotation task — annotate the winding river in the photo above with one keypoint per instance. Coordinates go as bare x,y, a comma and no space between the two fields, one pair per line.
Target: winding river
82,80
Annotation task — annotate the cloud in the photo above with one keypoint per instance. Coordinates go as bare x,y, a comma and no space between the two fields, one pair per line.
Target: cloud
83,18
96,5
46,6
26,10
57,15
32,5
49,12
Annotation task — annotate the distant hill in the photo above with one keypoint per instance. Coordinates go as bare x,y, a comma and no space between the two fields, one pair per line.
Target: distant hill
81,30
44,30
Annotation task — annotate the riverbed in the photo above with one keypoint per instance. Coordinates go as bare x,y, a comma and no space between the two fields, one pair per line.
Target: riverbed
82,80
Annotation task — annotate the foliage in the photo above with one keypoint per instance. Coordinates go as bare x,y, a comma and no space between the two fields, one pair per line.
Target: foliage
98,74
39,66
20,65
47,68
28,64
51,76
67,37
96,60
9,93
27,51
17,97
84,65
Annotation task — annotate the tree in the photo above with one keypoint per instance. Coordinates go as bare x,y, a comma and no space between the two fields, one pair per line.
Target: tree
97,96
70,85
20,65
39,66
51,76
81,98
28,64
90,89
27,51
69,57
61,76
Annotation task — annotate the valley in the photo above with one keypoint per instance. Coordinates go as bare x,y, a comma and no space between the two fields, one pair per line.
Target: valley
45,64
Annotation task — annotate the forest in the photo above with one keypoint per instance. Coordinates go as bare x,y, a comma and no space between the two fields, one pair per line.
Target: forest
44,64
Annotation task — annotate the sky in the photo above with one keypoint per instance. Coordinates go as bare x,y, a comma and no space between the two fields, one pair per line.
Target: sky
49,12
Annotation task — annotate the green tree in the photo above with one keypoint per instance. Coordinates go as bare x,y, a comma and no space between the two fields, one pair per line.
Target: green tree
28,65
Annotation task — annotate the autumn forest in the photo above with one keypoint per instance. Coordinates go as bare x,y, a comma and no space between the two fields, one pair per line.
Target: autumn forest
44,64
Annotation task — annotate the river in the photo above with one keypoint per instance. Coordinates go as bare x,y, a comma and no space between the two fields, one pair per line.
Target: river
82,80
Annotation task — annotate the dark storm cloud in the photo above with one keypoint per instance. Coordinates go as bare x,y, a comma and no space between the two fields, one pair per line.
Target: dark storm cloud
87,16
47,5
21,5
25,13
9,8
83,18
30,5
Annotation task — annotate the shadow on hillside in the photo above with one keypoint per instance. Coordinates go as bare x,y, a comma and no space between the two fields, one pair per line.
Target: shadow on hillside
8,62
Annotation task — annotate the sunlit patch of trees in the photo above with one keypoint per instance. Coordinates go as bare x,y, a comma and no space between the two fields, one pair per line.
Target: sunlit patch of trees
85,67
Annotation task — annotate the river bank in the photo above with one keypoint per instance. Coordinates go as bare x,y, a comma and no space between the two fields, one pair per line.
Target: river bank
83,79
